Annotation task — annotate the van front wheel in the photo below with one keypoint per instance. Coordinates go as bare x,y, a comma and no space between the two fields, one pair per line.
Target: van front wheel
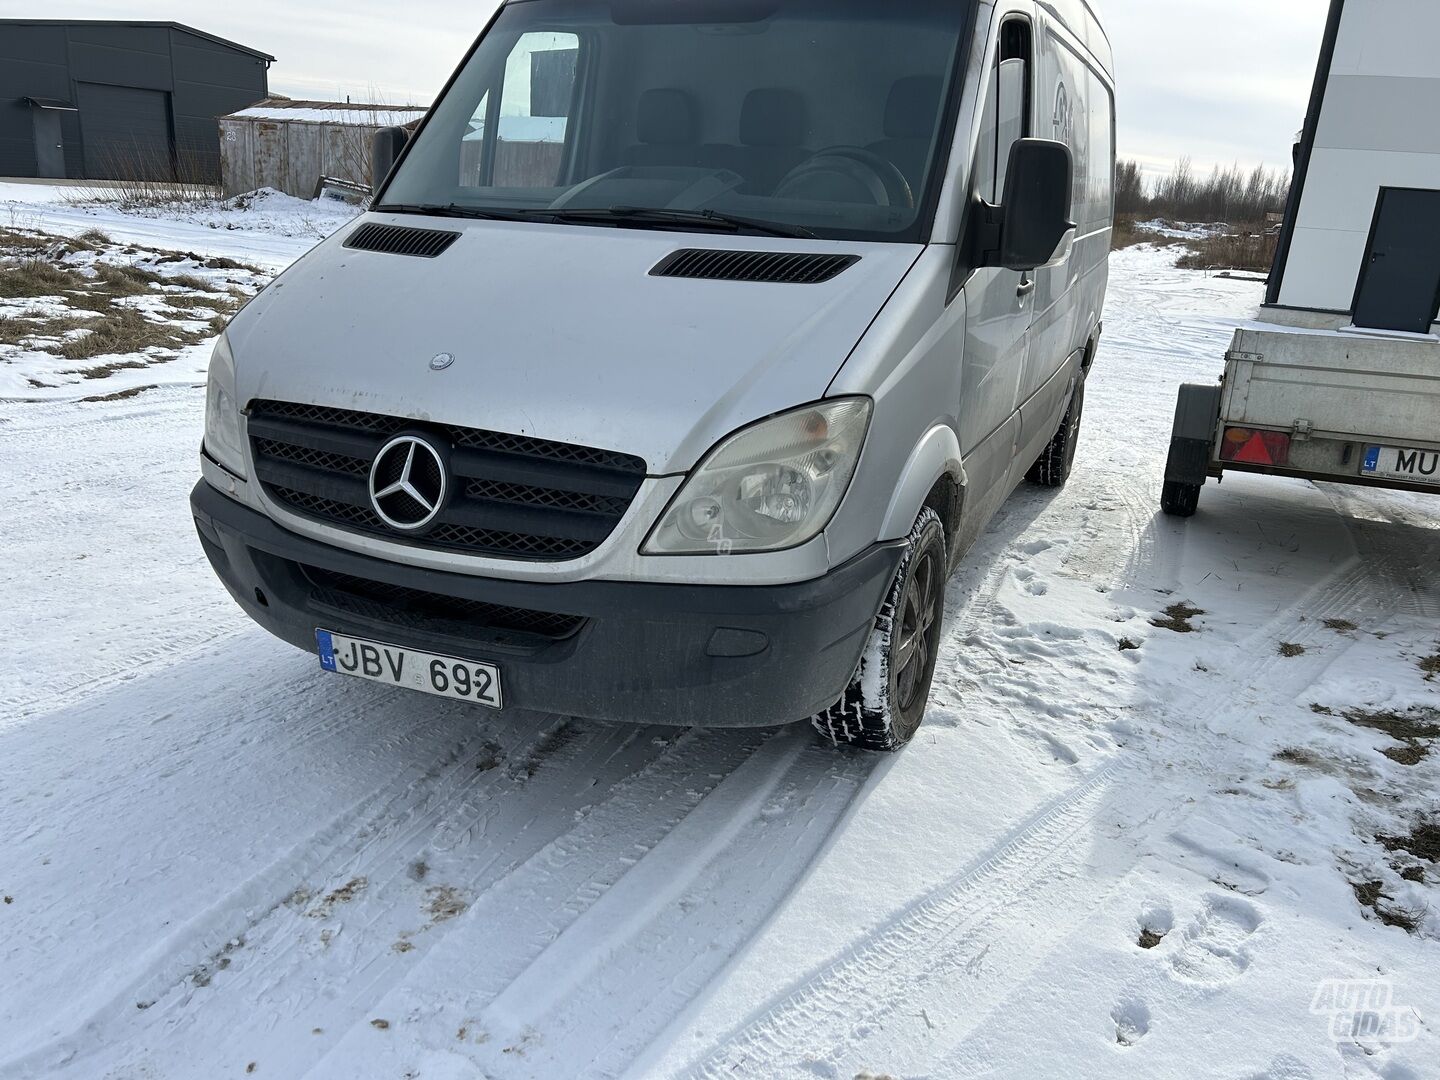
882,707
1054,465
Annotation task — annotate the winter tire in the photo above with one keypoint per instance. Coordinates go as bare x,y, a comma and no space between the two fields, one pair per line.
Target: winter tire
882,707
1053,467
1179,500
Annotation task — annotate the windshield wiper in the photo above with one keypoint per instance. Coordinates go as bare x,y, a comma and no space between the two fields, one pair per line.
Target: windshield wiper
456,210
705,219
619,215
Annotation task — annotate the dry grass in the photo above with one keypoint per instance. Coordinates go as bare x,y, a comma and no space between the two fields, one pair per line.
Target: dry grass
107,326
35,277
1248,248
1370,894
1290,649
127,280
1415,724
124,330
120,395
193,282
1430,666
1412,730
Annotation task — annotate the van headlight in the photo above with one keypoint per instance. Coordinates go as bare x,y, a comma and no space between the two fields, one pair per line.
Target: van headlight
223,440
772,486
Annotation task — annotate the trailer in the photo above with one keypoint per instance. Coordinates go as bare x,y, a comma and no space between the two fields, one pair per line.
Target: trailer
1340,378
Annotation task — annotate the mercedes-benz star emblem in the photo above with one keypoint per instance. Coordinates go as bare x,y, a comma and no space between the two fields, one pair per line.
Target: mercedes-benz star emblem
408,483
440,361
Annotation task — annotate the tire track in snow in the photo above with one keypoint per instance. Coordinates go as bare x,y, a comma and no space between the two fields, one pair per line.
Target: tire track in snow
1396,561
637,941
874,978
56,519
289,984
861,995
382,827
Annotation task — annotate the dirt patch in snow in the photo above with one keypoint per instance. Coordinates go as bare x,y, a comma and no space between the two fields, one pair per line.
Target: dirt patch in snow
550,744
343,895
444,902
1291,649
1177,617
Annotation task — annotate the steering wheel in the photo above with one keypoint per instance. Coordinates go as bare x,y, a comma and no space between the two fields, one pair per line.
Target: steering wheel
862,170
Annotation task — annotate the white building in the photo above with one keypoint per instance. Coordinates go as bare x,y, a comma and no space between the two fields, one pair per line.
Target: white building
1361,238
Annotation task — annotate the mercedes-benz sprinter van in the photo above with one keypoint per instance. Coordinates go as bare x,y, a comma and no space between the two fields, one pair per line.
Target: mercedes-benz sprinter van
680,356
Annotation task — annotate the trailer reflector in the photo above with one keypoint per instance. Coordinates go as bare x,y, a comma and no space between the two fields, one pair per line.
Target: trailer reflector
1250,447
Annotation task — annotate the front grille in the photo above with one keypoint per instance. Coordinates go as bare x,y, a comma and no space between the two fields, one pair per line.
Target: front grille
514,496
400,605
769,267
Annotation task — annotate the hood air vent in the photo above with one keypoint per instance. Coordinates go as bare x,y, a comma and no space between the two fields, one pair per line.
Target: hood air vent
772,267
398,240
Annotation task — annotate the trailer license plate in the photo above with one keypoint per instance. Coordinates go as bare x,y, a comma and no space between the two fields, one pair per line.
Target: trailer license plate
1395,463
444,676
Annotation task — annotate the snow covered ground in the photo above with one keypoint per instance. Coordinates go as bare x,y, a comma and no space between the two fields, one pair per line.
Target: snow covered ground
1164,765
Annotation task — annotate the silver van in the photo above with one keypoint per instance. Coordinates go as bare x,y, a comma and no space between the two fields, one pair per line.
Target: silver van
683,352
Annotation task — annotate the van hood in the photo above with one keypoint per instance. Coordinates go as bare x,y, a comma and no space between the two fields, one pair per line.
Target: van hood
559,332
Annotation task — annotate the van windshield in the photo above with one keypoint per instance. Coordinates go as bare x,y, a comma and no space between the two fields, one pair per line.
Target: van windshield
793,117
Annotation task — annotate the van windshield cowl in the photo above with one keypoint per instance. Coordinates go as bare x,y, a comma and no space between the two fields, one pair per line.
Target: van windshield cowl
821,118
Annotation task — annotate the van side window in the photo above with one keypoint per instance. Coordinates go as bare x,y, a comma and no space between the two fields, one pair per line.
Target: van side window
1082,118
1007,109
528,148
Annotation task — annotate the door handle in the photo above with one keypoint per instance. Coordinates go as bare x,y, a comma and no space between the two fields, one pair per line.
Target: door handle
1026,287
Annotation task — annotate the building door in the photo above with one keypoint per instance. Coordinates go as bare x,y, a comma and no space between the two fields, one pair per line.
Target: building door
126,133
1400,279
49,141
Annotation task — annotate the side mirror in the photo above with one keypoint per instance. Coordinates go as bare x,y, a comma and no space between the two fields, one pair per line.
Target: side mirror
1035,225
385,148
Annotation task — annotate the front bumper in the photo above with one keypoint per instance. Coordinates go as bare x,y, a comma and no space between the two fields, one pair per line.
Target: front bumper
638,652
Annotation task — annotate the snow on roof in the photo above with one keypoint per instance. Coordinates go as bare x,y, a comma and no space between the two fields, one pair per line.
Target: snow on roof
331,112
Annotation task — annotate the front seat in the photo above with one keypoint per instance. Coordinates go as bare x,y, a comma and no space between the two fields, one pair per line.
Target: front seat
772,134
667,127
910,116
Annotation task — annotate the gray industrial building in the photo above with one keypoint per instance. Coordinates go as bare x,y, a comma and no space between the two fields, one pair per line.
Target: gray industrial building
119,100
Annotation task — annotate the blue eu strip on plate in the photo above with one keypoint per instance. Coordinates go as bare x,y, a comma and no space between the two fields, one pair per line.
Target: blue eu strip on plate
327,649
1372,459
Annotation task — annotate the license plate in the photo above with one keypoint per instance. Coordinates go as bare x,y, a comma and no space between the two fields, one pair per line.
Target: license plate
1395,463
444,676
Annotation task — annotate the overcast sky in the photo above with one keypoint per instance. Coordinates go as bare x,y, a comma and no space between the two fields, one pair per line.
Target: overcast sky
1219,80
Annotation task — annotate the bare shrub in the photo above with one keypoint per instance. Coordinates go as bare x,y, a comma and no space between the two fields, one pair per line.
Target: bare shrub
139,175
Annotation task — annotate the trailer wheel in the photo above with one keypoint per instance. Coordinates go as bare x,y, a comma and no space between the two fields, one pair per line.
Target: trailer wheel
882,707
1179,500
1054,465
